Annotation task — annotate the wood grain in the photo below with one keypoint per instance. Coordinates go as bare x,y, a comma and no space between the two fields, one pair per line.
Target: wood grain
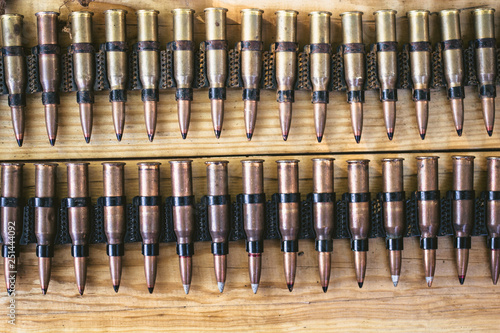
412,306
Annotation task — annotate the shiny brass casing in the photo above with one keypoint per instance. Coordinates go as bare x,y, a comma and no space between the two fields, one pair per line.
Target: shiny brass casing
116,61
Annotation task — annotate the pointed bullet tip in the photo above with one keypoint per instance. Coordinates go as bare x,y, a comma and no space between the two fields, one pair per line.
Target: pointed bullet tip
87,139
461,279
357,138
285,137
320,138
325,289
186,288
9,291
495,282
249,136
395,280
290,287
422,136
119,136
151,289
20,142
217,134
255,287
151,137
429,281
81,292
390,135
116,288
52,142
360,284
490,132
221,286
459,132
44,291
184,136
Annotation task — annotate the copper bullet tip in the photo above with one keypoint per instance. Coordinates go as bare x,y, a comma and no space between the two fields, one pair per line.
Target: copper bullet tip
319,110
255,287
395,280
461,278
290,287
116,288
457,109
186,288
389,108
118,111
217,107
422,111
285,114
250,116
86,117
184,116
356,119
44,269
17,114
495,265
81,289
488,106
360,285
150,289
429,280
150,116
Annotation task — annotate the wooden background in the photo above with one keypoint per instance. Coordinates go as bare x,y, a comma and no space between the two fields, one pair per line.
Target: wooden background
377,306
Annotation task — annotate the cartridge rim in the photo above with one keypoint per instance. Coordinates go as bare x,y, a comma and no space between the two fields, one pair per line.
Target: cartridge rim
11,164
147,11
483,11
427,157
358,161
77,163
252,161
286,12
81,13
148,163
113,163
252,10
392,159
287,161
116,10
213,9
216,162
354,13
493,158
449,11
49,12
182,10
180,161
463,157
45,164
417,11
11,15
392,11
323,159
320,13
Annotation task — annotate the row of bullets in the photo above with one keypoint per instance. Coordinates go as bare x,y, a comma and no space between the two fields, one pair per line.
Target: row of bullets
393,196
285,49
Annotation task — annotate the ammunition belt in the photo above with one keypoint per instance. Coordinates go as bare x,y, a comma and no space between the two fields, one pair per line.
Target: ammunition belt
271,230
268,81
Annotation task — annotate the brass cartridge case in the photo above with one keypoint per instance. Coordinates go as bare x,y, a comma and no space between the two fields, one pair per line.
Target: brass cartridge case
493,214
15,70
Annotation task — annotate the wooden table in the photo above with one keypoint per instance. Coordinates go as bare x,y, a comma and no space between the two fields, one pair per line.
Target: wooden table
378,305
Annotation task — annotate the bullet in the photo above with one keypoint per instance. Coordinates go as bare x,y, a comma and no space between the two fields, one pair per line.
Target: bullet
420,65
324,215
15,70
11,220
149,218
183,65
393,197
251,65
493,214
83,67
453,64
286,65
254,201
114,217
320,59
428,205
45,219
462,210
216,58
148,49
218,217
387,65
50,69
354,67
184,214
79,219
117,65
358,200
486,62
289,216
